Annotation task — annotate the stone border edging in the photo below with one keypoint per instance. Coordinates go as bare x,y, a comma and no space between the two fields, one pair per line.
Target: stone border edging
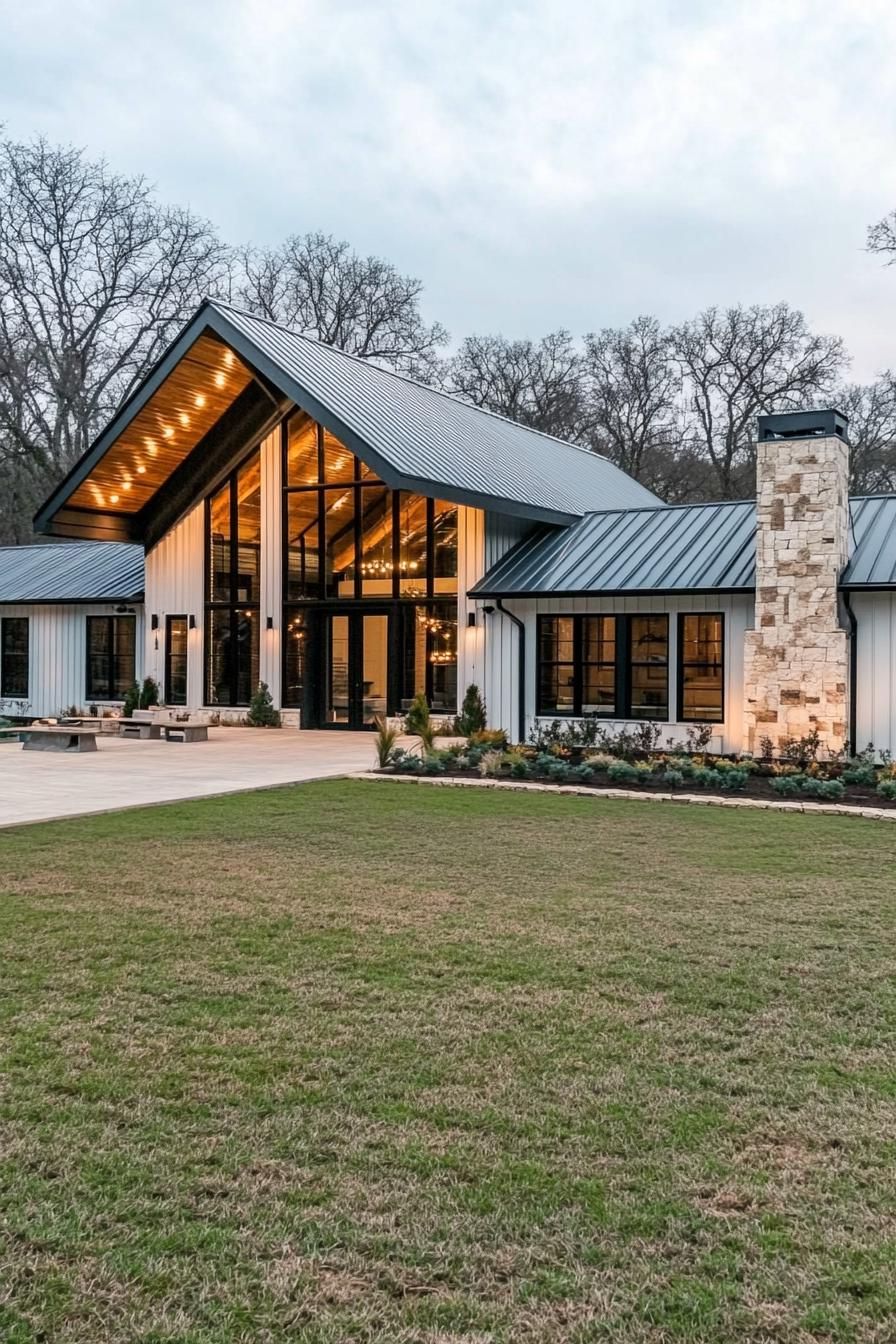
636,795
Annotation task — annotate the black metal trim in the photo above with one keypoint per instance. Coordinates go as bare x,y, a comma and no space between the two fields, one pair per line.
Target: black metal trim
111,618
623,680
5,693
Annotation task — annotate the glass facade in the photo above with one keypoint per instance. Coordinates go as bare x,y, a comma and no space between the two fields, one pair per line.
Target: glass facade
111,656
352,544
233,587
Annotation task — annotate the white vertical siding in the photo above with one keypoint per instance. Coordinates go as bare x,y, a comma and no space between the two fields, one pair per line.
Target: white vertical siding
470,568
502,679
57,654
875,615
175,586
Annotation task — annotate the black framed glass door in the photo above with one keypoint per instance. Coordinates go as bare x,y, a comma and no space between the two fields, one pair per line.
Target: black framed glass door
355,674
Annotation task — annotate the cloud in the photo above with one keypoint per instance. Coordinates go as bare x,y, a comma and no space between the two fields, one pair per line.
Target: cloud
537,164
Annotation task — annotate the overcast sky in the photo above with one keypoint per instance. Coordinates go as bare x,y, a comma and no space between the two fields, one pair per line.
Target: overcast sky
538,163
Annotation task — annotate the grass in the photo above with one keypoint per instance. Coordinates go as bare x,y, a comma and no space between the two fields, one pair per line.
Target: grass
354,1061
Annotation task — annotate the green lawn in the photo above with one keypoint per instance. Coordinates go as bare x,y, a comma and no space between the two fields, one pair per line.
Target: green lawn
353,1061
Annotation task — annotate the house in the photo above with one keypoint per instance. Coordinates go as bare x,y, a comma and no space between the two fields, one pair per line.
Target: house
352,538
71,626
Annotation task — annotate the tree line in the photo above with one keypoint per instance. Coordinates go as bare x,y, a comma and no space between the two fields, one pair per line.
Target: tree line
97,276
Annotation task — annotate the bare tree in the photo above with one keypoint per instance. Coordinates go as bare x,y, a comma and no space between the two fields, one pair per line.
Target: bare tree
632,385
881,238
537,383
739,362
95,278
871,411
322,288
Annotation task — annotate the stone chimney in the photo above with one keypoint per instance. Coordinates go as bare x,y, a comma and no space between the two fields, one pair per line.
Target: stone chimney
796,668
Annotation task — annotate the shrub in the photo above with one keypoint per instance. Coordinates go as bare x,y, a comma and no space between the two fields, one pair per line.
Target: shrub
474,756
859,772
734,779
788,786
558,771
673,779
707,778
131,701
683,765
520,768
262,713
493,764
472,713
566,733
384,742
489,737
887,788
620,772
829,789
600,762
581,774
543,762
698,738
433,764
406,764
149,693
419,723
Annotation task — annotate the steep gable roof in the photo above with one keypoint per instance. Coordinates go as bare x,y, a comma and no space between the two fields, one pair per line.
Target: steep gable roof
78,571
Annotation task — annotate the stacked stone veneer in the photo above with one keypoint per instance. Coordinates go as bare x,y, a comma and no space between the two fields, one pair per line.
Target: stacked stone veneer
797,657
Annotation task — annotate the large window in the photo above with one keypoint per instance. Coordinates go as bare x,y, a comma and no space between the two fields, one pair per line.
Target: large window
14,658
111,656
233,587
701,673
612,666
349,538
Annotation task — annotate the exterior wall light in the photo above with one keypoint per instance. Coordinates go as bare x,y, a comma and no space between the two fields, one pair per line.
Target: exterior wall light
471,618
192,622
270,622
154,622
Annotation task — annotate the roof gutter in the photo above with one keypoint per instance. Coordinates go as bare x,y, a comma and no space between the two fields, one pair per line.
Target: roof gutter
521,669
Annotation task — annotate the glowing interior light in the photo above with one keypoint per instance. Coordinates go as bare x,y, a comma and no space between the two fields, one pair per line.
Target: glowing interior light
184,419
168,432
113,499
228,358
126,485
141,470
220,380
200,400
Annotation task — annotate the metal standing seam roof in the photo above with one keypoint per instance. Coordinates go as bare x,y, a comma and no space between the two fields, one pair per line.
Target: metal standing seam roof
419,436
675,548
80,571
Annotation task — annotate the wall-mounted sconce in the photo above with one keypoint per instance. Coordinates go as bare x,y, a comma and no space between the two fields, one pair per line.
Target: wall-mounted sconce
471,618
488,611
154,622
192,622
270,623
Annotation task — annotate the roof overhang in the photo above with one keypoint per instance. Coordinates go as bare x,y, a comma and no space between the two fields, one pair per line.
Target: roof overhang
264,400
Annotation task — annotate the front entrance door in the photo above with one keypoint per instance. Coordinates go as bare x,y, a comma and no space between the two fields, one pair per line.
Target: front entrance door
355,647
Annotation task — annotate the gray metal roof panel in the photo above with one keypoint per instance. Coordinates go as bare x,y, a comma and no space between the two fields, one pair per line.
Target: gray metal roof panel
676,548
872,563
426,435
78,571
686,547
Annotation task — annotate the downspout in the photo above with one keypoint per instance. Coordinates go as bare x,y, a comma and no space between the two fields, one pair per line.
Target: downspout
521,653
853,670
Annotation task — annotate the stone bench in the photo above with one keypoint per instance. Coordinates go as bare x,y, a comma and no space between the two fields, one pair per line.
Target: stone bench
185,732
58,739
145,729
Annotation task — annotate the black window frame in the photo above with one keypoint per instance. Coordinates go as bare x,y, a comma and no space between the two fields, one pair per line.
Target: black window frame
234,605
7,656
622,709
169,621
113,681
680,665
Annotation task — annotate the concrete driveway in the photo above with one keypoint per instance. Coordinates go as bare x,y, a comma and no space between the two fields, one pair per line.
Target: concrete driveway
38,786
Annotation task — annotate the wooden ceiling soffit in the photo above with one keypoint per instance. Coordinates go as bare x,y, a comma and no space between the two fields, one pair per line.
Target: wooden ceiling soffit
204,384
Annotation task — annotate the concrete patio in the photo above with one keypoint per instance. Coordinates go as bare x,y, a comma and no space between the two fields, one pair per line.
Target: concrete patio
38,786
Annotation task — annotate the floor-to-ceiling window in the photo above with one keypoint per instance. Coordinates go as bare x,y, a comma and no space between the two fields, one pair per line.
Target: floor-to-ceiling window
352,543
233,587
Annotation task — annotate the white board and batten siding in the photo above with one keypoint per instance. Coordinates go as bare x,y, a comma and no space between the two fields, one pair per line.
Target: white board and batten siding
502,658
57,656
175,586
875,615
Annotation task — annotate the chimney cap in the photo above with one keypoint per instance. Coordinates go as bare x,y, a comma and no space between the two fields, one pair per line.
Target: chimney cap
803,425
